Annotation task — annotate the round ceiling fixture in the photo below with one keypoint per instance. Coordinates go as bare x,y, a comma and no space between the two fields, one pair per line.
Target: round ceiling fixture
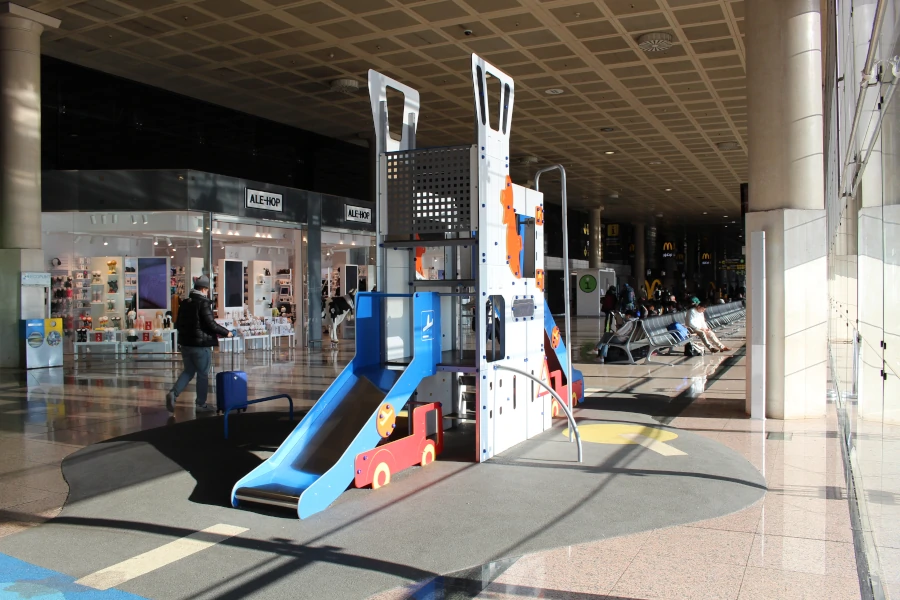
655,162
656,41
609,152
726,146
554,91
345,86
528,160
607,129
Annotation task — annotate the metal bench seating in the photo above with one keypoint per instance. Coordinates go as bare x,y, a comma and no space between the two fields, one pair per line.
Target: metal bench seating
634,340
720,316
659,336
653,333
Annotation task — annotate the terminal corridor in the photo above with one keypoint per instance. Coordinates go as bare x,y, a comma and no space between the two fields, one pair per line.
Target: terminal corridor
709,505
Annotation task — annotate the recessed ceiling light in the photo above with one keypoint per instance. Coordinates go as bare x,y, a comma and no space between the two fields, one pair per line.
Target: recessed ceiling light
724,216
704,212
607,129
725,146
655,162
554,91
668,189
656,41
610,152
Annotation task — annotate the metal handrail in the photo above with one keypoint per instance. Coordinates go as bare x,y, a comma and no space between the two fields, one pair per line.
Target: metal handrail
566,282
864,84
572,425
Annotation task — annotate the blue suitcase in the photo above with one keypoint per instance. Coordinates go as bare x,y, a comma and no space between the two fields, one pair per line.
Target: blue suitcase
231,389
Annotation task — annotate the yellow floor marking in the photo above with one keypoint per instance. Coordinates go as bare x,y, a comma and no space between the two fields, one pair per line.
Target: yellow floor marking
164,555
652,444
622,434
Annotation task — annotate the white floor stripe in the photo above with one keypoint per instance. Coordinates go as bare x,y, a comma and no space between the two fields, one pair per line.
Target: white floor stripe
164,555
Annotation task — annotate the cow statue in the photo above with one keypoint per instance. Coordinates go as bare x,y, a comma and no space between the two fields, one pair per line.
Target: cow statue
334,311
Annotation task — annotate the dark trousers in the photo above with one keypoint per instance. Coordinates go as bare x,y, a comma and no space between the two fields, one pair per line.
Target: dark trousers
196,361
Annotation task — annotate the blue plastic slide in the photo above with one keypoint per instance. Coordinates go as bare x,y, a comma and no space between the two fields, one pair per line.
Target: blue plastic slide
559,357
315,464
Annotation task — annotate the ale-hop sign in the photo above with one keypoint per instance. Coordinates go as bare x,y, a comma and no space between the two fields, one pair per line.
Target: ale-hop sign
357,214
264,200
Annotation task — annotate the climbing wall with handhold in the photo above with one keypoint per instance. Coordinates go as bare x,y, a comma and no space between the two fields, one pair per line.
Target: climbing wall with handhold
510,261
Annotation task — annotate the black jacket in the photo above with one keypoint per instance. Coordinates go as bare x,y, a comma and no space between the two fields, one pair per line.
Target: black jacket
196,326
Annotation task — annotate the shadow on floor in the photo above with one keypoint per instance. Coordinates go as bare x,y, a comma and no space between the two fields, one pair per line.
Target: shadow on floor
199,448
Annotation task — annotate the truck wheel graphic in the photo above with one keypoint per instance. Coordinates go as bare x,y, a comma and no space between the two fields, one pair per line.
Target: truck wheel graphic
428,454
382,476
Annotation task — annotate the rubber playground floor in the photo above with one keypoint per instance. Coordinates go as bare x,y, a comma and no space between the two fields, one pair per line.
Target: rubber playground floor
147,513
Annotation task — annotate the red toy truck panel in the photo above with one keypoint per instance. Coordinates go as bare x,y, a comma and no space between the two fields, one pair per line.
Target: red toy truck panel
375,467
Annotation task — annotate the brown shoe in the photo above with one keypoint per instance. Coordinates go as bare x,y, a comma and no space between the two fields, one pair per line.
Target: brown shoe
713,350
726,349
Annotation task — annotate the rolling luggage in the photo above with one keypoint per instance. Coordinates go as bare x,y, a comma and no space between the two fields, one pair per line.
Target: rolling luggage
231,389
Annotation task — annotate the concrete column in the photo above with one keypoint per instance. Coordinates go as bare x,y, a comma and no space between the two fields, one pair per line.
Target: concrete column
314,273
639,269
787,198
690,262
296,265
20,172
651,248
596,256
206,244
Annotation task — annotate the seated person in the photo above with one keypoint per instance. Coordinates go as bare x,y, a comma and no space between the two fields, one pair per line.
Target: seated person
621,334
696,323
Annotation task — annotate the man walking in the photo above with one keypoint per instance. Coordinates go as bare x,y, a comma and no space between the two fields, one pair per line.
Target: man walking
197,333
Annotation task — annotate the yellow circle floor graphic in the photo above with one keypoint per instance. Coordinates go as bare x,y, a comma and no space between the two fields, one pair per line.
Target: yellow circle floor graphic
622,434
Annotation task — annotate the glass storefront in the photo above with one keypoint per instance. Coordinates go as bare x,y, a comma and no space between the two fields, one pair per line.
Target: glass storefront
118,277
863,207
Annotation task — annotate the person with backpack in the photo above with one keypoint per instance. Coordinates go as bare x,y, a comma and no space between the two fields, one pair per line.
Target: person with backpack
621,335
627,298
197,334
608,306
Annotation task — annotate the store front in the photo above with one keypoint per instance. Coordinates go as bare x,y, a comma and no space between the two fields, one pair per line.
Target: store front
123,247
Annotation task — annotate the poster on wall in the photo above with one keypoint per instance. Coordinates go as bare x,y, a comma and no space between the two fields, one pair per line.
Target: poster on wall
234,284
153,284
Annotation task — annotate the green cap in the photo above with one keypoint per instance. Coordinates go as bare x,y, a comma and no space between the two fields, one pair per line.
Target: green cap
695,301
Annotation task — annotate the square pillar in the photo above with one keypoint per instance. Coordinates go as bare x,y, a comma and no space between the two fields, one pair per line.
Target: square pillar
796,311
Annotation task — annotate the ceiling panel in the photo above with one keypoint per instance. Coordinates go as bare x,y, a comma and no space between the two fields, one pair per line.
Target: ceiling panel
660,114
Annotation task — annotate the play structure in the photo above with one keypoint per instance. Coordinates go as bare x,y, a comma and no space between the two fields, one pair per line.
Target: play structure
476,350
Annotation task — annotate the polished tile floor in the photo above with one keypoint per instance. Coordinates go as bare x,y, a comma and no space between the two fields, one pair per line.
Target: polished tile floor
796,543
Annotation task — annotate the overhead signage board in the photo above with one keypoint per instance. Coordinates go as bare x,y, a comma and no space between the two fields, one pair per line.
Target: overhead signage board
357,214
261,200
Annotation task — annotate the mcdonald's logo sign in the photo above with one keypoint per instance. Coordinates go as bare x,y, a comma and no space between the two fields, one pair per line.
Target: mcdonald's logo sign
668,250
705,258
